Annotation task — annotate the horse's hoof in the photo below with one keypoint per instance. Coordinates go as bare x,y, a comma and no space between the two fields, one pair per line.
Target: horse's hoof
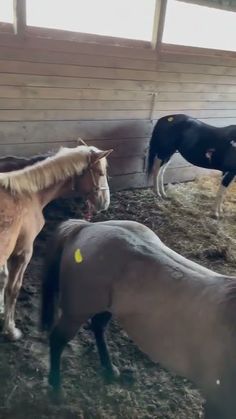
56,395
13,334
111,375
158,195
115,372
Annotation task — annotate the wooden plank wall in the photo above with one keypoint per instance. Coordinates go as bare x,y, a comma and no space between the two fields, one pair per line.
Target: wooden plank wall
52,92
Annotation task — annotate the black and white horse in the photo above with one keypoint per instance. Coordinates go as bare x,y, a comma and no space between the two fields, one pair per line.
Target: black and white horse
200,144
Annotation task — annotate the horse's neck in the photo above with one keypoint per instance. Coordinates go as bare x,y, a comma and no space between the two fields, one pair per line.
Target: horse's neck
58,190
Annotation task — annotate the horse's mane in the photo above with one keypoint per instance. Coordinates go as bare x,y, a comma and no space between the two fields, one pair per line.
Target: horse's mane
11,163
66,163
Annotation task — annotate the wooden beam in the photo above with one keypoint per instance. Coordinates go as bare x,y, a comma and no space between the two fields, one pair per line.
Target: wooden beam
19,22
159,20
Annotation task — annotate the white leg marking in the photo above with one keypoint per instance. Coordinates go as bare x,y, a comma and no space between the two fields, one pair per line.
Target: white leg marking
157,165
219,200
17,269
3,282
161,179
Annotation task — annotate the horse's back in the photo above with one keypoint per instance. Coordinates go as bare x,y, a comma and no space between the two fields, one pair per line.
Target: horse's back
124,255
97,256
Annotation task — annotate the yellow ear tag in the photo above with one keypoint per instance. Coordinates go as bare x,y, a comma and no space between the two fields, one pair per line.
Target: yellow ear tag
170,119
78,256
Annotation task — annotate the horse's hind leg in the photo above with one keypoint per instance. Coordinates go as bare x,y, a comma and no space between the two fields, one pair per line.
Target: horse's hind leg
98,325
156,170
158,176
3,282
62,333
17,266
227,179
161,177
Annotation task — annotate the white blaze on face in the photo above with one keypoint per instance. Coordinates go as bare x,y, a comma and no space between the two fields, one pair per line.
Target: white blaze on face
233,143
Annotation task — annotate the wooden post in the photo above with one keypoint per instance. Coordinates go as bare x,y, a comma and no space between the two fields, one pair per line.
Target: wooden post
19,8
159,20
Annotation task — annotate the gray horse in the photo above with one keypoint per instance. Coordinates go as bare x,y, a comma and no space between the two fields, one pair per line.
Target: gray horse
178,312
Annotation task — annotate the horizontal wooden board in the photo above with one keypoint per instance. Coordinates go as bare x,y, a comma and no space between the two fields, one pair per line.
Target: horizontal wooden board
221,94
23,58
197,58
84,83
76,47
171,72
69,88
26,60
198,96
73,115
76,94
107,115
67,104
121,147
188,105
53,104
19,67
183,67
66,58
70,130
90,77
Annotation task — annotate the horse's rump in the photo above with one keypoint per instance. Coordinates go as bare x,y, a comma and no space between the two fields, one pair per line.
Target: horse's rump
51,270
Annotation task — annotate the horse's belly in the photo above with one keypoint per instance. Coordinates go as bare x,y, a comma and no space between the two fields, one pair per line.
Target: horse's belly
174,351
180,332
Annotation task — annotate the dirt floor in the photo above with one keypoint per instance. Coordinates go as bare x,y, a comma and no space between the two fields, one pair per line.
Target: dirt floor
184,222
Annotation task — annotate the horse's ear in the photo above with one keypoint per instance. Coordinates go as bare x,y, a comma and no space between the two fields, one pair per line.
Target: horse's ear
81,141
95,156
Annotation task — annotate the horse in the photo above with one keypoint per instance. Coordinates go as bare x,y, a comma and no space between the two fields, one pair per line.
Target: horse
182,315
70,172
200,144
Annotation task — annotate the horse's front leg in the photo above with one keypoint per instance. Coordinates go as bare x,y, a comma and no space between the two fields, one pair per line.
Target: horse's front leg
17,266
3,283
62,333
98,326
227,179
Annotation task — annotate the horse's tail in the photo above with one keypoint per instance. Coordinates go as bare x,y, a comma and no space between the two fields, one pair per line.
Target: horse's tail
50,283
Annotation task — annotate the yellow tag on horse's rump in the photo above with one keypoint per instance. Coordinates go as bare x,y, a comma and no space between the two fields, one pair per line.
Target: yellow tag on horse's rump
78,256
170,119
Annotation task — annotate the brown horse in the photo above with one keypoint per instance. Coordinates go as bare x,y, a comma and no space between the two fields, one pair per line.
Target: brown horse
71,172
178,312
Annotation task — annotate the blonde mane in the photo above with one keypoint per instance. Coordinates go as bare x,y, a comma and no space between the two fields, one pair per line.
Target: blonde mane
67,162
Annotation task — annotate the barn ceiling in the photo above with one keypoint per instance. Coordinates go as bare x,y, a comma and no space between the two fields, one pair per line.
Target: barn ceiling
222,4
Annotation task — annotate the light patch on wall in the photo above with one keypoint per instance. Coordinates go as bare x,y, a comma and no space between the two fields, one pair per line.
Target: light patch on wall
6,11
199,26
131,19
